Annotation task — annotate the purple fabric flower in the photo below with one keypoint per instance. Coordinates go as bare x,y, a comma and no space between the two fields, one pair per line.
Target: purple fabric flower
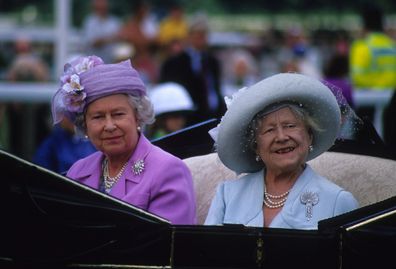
71,95
75,102
73,91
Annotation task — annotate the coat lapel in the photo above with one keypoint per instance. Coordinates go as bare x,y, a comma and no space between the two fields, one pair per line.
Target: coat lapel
142,149
292,211
254,216
91,173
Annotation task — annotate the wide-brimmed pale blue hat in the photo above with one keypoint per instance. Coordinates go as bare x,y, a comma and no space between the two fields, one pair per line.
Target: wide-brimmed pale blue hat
87,79
309,93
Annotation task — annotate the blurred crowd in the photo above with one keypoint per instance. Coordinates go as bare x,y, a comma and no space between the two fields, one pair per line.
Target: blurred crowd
174,56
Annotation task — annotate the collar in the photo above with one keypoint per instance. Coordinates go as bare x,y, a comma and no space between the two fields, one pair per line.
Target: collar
254,215
287,214
139,155
94,166
292,207
90,167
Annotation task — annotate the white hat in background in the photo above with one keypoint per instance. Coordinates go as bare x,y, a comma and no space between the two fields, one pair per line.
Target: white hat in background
170,97
123,51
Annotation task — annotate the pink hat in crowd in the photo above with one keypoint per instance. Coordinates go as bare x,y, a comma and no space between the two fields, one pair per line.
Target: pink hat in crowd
87,79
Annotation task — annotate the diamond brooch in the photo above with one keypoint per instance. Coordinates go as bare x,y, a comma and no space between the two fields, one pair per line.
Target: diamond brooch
138,167
309,199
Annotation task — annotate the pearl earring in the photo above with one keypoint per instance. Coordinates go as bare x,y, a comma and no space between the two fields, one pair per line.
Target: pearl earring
258,158
139,128
310,148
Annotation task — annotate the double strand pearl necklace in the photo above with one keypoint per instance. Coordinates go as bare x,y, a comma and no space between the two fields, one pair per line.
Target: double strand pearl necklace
108,180
269,199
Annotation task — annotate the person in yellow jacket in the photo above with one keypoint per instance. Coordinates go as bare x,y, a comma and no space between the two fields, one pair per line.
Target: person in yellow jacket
373,58
174,26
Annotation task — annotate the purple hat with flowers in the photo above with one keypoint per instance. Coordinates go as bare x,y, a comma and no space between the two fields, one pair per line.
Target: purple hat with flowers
87,79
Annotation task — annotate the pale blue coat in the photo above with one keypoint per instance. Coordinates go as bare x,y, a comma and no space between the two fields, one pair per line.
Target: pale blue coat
240,201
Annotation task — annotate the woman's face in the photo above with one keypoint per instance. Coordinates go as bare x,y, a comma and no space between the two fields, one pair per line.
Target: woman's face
112,125
283,141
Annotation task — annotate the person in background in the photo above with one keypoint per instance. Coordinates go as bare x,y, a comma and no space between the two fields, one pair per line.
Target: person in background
336,72
269,132
197,70
109,103
29,67
140,31
240,70
173,30
298,55
372,58
62,148
172,105
100,31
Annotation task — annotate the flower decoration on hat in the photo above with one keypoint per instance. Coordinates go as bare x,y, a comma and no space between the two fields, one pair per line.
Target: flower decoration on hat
228,101
75,95
70,98
235,95
73,91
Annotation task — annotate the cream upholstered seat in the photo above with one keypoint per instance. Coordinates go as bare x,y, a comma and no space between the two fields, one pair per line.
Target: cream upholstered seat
370,179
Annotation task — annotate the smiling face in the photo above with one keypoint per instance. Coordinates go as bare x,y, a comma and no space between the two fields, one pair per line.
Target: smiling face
283,141
112,126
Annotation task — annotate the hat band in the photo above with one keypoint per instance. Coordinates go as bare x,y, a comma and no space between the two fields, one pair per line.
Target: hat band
277,106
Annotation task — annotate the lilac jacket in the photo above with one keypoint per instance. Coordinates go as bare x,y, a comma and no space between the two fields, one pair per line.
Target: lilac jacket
164,188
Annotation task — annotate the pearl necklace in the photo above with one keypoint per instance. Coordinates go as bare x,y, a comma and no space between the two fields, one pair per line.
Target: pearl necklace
270,203
108,180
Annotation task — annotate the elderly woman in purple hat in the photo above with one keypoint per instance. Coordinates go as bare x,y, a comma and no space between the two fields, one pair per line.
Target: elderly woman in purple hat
108,103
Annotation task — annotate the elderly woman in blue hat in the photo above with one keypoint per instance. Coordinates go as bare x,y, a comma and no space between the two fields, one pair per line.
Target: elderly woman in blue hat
109,104
268,134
